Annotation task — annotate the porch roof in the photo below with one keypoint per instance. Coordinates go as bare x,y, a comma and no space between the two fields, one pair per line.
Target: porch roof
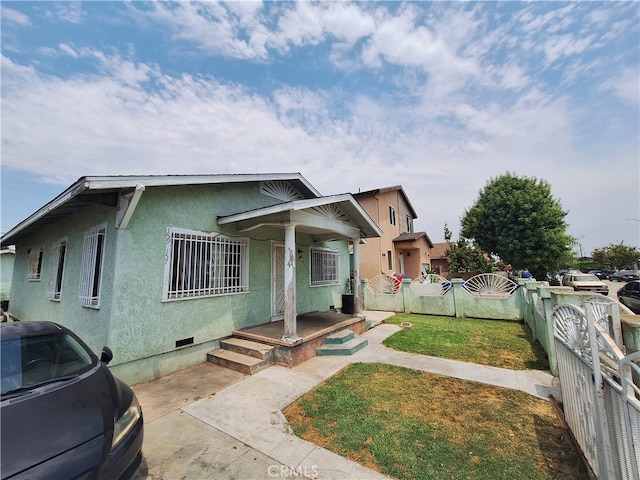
413,237
326,218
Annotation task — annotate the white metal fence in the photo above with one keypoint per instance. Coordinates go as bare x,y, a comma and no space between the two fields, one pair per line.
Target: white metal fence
600,398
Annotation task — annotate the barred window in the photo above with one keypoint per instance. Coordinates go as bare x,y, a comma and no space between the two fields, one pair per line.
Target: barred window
58,254
201,264
35,263
325,267
91,266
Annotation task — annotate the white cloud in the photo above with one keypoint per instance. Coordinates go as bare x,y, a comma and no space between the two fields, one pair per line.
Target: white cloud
9,15
624,86
559,46
69,11
462,101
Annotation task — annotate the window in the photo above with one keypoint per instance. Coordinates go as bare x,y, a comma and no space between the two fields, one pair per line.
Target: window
325,267
200,264
409,224
35,263
392,215
58,253
91,267
390,259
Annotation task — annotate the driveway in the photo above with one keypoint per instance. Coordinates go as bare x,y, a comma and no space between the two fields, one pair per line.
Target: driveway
179,445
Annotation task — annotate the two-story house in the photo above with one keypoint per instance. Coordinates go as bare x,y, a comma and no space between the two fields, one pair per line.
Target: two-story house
399,250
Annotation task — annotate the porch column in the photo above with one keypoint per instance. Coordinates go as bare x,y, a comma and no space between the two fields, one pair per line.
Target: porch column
290,334
357,283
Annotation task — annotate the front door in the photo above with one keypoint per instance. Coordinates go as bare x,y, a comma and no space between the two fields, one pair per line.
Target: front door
277,282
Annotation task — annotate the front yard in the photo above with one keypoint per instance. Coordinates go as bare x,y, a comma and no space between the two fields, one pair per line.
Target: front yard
414,425
487,342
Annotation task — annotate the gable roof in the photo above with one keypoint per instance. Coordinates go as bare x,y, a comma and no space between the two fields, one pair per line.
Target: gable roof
105,190
394,188
412,237
335,216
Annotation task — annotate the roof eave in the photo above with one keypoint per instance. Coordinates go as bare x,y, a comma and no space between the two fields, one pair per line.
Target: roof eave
80,186
97,183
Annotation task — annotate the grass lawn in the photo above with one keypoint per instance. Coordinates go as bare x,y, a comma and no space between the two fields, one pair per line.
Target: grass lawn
414,425
487,342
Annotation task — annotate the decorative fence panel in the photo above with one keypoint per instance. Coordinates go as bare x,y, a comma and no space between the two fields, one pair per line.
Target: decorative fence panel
493,298
601,402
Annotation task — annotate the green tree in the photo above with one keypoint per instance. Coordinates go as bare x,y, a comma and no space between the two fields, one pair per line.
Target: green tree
517,219
465,256
616,256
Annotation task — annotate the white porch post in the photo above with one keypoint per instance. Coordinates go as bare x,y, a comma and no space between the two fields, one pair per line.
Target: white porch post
357,283
290,334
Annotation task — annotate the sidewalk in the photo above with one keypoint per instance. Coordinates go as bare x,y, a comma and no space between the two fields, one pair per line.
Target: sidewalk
209,422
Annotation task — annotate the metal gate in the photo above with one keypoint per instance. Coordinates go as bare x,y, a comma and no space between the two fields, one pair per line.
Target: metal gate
601,401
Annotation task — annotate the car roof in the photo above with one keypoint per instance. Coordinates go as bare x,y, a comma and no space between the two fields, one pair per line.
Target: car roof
28,329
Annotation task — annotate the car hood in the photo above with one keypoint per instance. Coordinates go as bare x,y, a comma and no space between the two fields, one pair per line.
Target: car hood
54,419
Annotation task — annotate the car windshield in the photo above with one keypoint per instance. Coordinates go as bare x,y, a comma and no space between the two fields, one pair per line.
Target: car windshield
37,360
586,278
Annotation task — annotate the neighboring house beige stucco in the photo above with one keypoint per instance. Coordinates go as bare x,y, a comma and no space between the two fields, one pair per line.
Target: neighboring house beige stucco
400,250
439,260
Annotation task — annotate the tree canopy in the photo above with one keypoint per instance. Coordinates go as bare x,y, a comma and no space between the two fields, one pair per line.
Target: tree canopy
465,256
616,256
517,219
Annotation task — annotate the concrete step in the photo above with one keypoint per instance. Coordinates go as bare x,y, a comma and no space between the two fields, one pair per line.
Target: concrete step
250,348
342,336
237,361
347,348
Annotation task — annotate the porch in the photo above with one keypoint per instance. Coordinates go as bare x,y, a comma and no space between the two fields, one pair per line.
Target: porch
264,344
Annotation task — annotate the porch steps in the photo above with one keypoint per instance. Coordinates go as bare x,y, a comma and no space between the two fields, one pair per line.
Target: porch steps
242,355
344,342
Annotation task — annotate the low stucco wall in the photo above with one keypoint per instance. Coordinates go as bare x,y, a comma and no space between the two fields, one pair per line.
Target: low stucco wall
532,302
457,302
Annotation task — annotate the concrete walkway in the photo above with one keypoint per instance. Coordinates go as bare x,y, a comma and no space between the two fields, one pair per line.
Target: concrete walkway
247,420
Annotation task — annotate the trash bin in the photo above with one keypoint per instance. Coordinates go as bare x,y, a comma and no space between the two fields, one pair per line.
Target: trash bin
347,304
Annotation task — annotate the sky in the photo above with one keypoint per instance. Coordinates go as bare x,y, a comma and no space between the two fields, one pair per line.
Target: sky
438,97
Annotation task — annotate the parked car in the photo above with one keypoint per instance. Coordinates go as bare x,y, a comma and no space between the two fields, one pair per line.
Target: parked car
585,282
64,415
624,276
629,295
601,274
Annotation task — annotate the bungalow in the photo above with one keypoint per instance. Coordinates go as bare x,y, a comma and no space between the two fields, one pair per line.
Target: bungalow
161,268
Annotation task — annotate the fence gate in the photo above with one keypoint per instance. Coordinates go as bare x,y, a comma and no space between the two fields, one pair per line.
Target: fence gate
601,401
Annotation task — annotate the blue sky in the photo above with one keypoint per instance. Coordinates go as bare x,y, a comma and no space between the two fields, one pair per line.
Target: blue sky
436,97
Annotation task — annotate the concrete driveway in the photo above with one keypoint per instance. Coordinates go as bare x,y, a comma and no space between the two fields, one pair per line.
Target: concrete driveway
178,445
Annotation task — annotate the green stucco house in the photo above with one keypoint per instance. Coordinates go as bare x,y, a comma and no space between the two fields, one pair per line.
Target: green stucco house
7,259
161,268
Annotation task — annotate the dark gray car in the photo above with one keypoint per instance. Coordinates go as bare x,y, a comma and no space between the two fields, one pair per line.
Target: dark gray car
64,415
629,295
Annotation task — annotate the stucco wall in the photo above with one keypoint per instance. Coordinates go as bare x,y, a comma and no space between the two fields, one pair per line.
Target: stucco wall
456,302
133,321
532,302
7,259
29,300
373,255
